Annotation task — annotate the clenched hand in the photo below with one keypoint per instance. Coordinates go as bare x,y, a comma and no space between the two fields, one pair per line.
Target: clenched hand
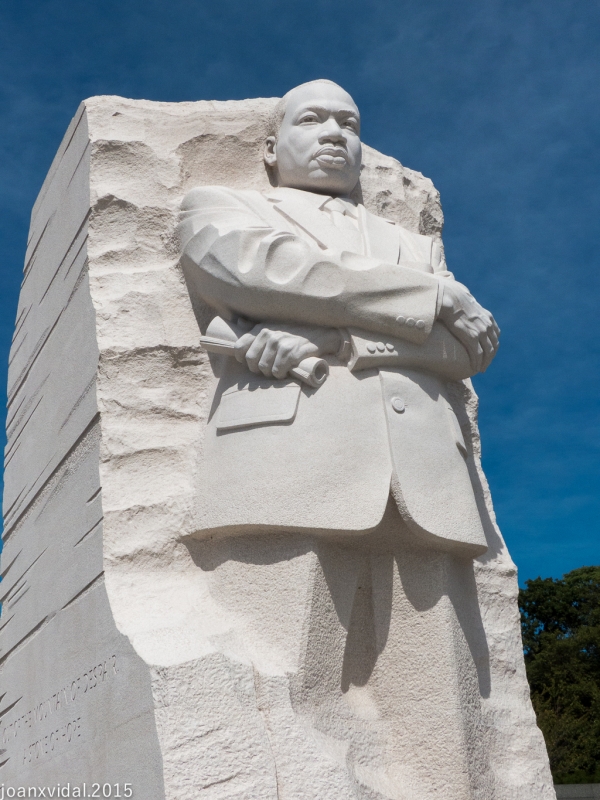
473,326
274,350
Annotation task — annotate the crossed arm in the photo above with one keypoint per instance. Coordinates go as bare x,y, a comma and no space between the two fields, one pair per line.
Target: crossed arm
237,262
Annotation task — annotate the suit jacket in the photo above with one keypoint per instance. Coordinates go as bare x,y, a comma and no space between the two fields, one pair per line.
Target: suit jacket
280,456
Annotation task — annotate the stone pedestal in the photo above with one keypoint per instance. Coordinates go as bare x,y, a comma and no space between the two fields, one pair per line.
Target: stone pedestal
260,667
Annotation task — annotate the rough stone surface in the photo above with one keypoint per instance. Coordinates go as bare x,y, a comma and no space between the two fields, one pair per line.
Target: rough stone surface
220,688
75,697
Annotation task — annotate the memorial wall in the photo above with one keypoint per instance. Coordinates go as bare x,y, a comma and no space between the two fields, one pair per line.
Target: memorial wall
218,580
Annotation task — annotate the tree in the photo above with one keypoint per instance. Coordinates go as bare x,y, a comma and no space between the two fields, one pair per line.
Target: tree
560,621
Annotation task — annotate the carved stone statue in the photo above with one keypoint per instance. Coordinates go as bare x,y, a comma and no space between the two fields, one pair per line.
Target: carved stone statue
319,275
368,469
249,550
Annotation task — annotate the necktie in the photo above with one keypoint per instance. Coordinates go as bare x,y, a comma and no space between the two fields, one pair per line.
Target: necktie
341,217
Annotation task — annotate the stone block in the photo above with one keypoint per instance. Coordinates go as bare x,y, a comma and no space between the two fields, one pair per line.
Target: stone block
259,667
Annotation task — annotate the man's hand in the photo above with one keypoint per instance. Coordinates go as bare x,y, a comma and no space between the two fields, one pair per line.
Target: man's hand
274,350
473,326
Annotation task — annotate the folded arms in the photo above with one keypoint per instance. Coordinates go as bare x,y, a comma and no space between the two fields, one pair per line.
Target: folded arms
240,262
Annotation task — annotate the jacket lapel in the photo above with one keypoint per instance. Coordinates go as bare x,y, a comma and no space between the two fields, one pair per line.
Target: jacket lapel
294,206
383,237
395,244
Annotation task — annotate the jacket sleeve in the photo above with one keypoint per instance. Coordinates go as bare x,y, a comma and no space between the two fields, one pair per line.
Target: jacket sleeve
442,354
239,263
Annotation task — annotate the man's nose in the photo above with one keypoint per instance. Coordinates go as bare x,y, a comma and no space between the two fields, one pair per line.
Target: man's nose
331,132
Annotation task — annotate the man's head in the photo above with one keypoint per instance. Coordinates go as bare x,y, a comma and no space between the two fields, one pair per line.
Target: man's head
317,144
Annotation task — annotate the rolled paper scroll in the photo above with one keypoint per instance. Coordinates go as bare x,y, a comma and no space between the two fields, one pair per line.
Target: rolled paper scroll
221,337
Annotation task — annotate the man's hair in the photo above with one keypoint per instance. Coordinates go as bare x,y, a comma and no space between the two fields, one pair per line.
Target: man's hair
279,111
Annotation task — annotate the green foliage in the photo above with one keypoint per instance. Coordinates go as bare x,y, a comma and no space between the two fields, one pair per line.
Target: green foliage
560,621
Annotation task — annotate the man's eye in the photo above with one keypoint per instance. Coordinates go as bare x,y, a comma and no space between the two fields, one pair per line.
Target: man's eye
352,124
311,118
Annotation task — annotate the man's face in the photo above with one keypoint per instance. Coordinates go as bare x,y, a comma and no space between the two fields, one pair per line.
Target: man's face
318,146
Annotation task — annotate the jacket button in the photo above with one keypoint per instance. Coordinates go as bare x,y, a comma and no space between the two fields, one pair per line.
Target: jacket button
410,322
398,405
400,320
390,347
371,348
380,347
420,323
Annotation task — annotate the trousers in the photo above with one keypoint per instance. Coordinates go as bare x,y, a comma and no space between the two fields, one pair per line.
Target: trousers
342,668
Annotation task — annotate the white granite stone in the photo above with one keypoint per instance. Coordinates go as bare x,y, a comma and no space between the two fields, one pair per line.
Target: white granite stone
268,664
76,701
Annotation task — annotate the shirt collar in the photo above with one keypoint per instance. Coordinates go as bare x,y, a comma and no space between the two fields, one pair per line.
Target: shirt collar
343,204
315,199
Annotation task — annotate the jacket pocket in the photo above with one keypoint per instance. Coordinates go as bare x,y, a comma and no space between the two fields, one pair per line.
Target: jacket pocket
258,403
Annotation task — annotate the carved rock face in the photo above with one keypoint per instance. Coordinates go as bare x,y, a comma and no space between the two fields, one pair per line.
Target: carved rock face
317,147
245,667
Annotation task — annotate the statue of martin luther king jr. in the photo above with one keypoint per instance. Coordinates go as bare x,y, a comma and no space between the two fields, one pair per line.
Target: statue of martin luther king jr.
304,270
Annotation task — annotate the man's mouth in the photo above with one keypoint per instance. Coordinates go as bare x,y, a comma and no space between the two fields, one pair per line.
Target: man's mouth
332,156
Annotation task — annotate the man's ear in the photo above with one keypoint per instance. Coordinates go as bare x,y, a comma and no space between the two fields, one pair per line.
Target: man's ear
270,151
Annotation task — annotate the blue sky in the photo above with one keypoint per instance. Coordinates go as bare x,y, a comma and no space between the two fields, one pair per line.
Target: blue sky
496,101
